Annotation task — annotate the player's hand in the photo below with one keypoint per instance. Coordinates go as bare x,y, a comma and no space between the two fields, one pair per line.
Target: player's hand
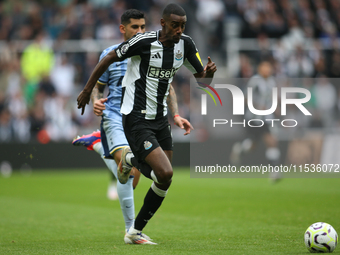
83,99
210,68
183,124
99,106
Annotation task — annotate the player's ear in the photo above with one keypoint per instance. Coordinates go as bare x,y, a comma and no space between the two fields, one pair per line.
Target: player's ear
162,22
122,28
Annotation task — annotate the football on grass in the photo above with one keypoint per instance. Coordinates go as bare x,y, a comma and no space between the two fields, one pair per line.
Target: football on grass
321,237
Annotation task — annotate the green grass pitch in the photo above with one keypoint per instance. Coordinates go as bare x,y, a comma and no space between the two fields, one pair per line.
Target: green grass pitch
67,212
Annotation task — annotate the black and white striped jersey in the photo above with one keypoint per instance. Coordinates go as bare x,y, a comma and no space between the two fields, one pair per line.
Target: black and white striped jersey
151,69
262,95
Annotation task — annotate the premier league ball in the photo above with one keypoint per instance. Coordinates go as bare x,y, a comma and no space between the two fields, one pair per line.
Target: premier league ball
321,237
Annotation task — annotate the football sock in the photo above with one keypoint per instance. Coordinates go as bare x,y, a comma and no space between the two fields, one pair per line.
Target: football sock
111,164
147,171
246,145
125,194
152,202
98,147
273,156
142,167
125,191
130,158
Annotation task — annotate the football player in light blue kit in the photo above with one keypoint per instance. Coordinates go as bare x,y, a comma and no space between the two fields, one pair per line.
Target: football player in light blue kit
111,139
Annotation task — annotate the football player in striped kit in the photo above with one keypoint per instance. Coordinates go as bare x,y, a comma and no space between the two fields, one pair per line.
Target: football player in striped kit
262,85
155,57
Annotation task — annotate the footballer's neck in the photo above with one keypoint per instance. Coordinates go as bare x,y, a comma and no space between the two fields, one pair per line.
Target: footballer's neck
165,39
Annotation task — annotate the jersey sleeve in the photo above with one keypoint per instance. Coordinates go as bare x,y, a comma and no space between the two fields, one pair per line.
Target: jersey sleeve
192,59
131,47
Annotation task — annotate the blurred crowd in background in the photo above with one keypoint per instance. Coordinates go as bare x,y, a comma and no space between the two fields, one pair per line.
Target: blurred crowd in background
40,79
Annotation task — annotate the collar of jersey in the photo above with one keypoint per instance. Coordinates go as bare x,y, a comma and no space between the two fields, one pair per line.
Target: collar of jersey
157,33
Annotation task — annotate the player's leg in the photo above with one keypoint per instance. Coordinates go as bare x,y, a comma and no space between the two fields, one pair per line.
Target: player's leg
239,149
136,174
163,135
145,145
113,140
112,193
93,142
273,154
159,161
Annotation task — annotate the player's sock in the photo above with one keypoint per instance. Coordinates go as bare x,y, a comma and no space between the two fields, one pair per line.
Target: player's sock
143,167
152,202
112,193
246,145
111,164
130,159
125,191
125,194
273,156
98,147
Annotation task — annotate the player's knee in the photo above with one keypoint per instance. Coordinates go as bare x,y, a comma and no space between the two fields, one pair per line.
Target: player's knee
165,176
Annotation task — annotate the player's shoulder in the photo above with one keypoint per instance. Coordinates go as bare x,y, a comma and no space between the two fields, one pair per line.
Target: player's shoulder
254,80
108,49
187,38
256,76
189,44
142,37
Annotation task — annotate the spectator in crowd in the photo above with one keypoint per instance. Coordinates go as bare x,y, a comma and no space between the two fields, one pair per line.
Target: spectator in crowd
326,99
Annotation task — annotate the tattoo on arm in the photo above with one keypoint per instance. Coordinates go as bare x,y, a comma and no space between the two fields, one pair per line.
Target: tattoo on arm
97,92
172,101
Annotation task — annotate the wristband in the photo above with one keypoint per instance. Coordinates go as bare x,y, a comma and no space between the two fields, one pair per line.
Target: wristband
176,116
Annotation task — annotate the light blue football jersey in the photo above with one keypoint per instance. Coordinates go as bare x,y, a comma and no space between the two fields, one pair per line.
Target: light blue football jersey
113,77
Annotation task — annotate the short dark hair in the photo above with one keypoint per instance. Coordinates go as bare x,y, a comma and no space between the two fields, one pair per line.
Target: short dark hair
173,9
131,14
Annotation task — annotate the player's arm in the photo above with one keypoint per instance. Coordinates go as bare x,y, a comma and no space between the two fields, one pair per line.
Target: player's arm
84,96
194,63
172,101
173,106
97,99
208,72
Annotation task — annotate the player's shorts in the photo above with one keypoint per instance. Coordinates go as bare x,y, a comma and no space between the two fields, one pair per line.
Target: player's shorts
256,133
146,135
112,135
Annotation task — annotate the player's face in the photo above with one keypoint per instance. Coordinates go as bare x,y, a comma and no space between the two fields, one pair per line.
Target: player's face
135,26
174,27
265,70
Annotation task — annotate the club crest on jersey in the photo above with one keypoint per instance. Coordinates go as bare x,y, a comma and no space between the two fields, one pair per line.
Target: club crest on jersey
147,145
179,56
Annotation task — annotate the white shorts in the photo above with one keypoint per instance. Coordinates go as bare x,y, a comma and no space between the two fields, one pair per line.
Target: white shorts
112,135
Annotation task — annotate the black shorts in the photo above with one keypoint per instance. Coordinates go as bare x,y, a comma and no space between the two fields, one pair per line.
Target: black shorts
256,133
146,135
